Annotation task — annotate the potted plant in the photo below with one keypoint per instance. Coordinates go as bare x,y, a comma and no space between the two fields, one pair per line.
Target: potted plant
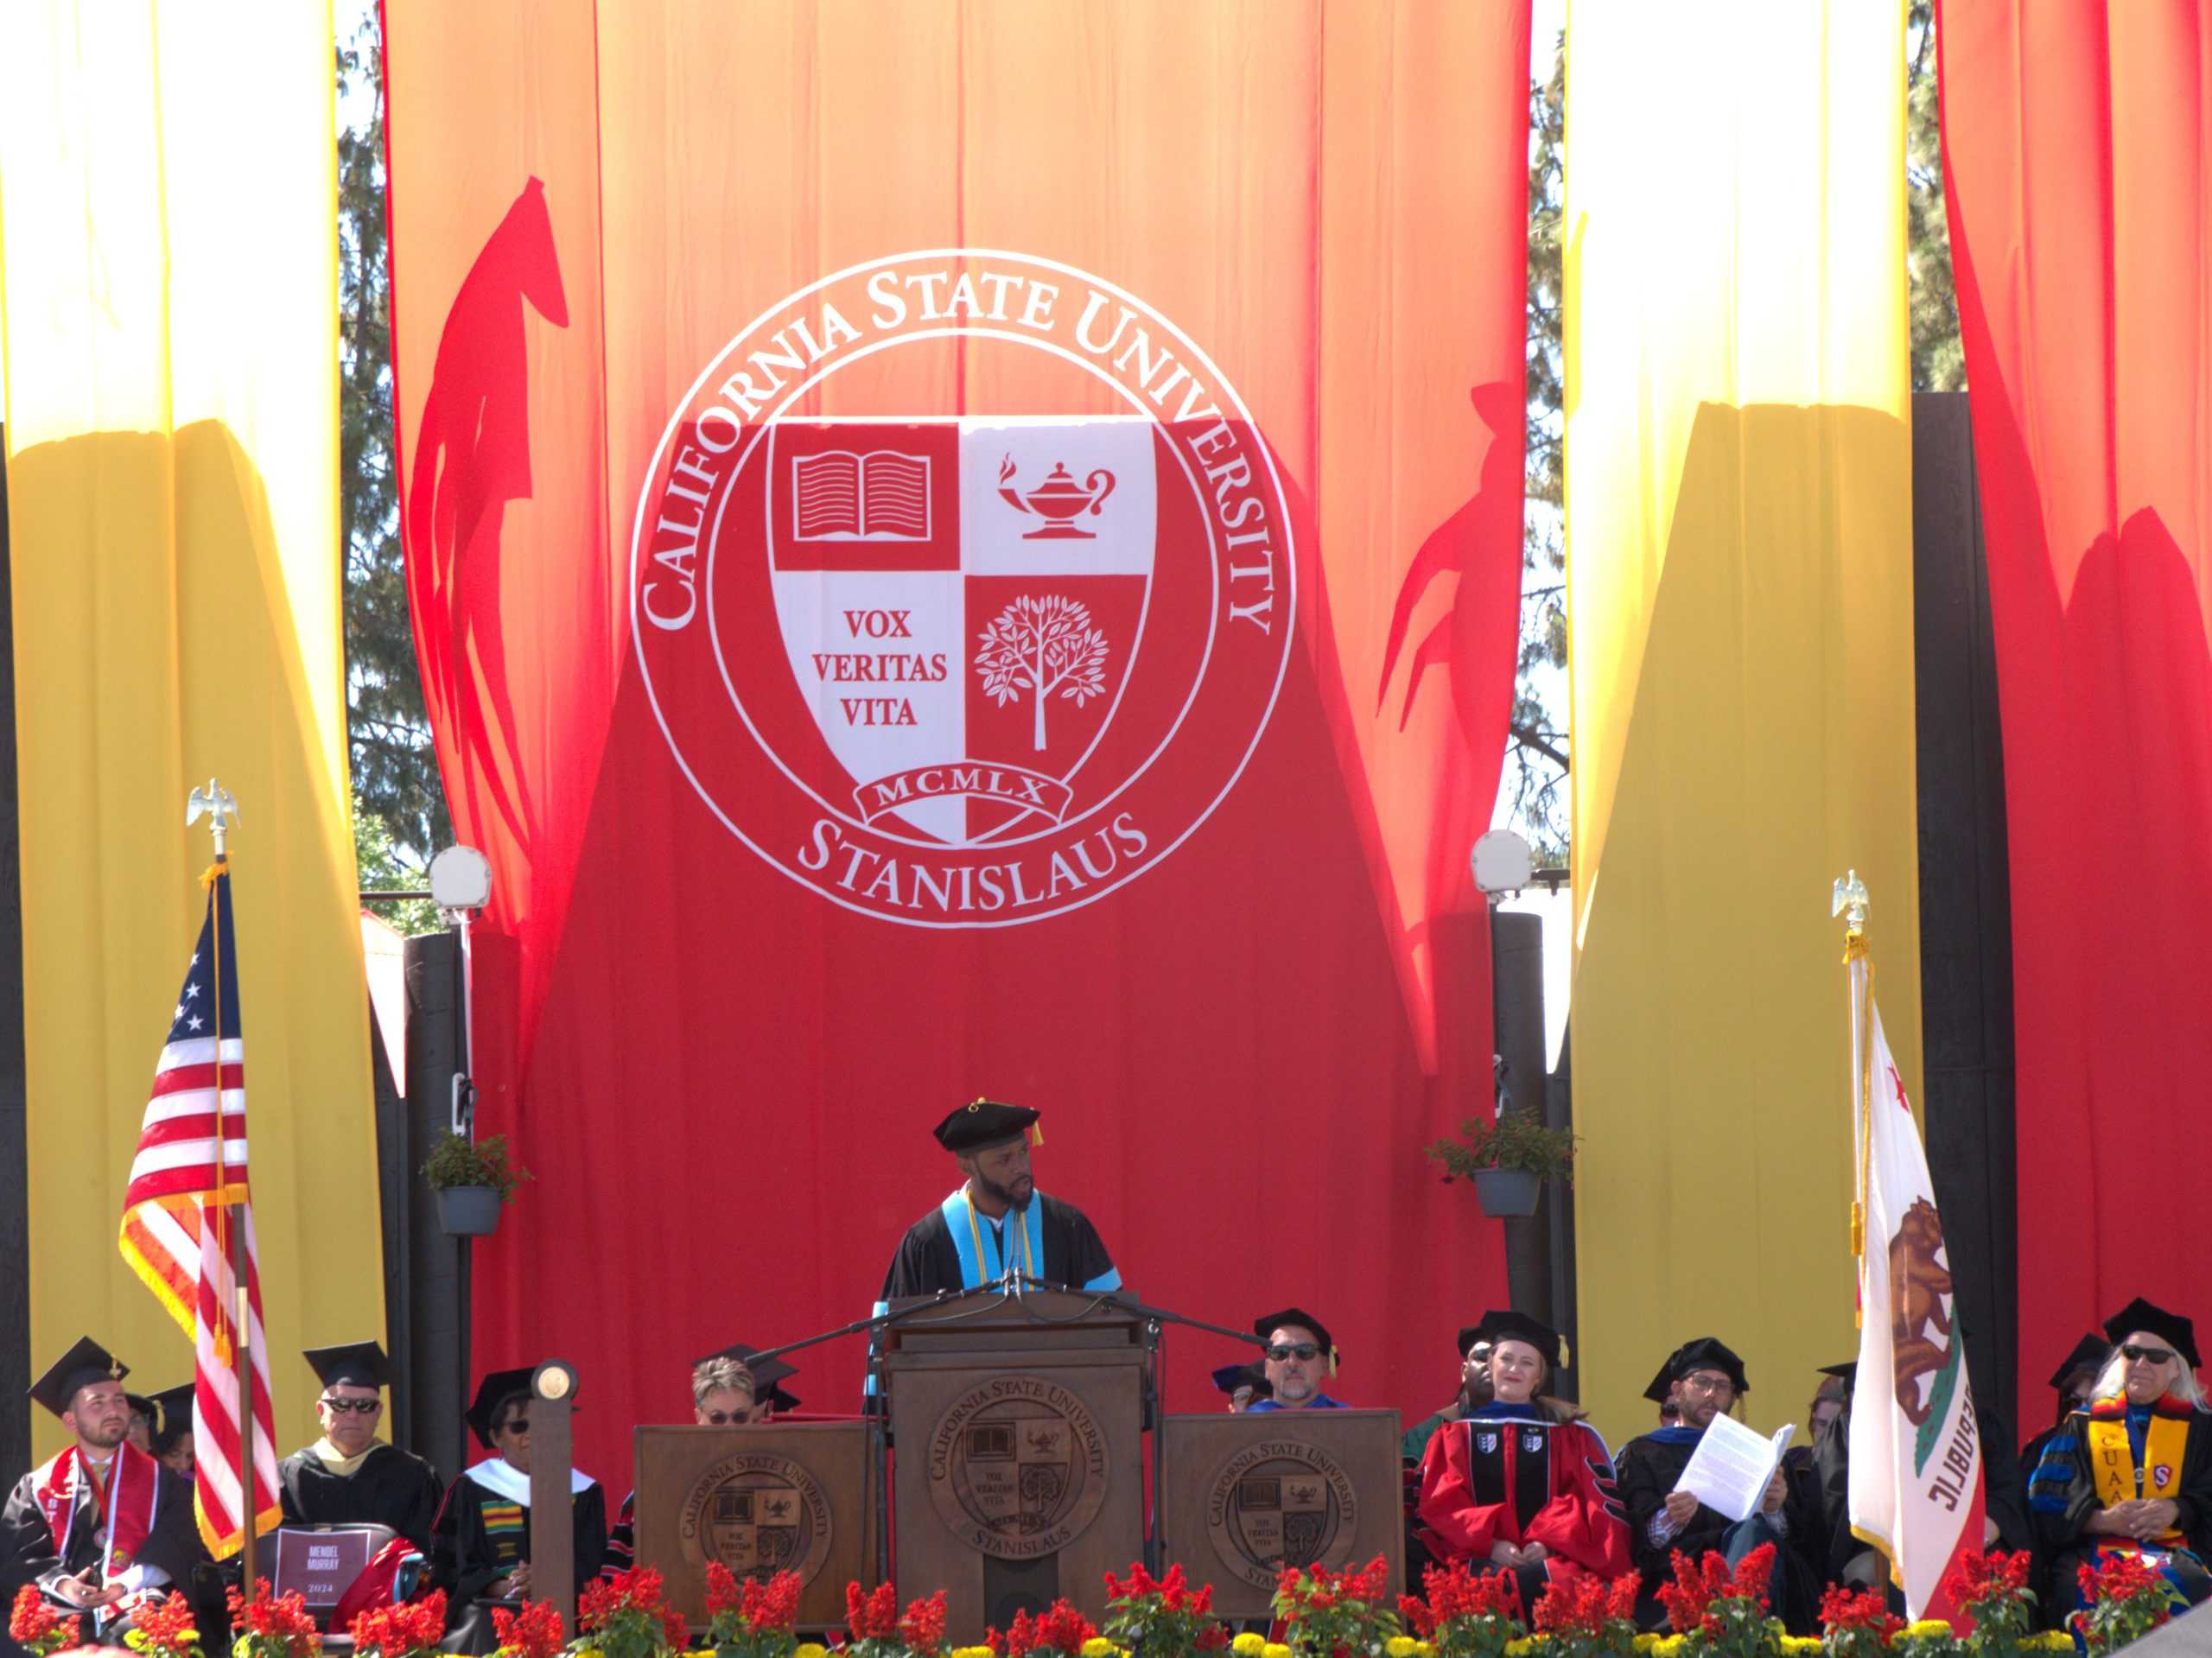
1509,1159
471,1179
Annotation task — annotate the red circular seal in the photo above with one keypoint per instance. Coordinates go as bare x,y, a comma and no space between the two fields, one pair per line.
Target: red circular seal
960,670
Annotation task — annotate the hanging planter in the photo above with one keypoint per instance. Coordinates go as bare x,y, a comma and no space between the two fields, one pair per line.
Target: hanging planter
1507,1157
1503,1192
471,1180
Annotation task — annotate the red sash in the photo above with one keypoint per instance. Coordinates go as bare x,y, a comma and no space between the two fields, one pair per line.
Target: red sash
134,1491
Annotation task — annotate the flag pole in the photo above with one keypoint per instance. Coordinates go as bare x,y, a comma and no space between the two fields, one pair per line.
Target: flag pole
230,1221
1849,900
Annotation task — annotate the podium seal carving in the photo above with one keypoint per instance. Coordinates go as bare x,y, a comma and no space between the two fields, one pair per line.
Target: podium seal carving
1017,1467
758,1514
1277,1504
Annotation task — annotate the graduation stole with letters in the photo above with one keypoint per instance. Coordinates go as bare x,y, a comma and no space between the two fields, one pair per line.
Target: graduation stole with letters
2112,1459
133,1495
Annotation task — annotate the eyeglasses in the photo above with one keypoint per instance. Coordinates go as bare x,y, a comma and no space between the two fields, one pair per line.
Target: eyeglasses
2154,1355
1293,1351
365,1406
1708,1383
518,1425
729,1417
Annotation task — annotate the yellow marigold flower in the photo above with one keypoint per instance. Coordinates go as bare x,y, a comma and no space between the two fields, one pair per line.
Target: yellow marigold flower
1250,1644
1920,1628
816,1649
1644,1642
1666,1646
971,1652
1097,1647
1399,1646
1520,1647
1424,1649
1274,1649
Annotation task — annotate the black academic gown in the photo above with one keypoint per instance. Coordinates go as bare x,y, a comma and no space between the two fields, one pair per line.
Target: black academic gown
2062,1496
173,1544
928,1259
1651,1466
391,1487
480,1536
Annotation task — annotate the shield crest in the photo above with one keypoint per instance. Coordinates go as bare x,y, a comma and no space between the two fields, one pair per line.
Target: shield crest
962,604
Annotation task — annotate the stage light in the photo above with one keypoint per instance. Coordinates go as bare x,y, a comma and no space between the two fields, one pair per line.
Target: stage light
461,880
1503,864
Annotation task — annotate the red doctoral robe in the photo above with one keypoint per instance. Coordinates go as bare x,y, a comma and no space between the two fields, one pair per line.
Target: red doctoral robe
1523,1479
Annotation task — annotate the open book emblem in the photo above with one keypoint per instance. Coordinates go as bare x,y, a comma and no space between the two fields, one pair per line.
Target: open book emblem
876,495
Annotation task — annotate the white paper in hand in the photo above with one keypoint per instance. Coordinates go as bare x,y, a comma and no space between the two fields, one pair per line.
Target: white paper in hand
1732,1467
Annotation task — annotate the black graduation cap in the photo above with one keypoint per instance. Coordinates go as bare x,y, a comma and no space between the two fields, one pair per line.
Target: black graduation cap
1704,1352
497,1387
768,1375
353,1364
2177,1332
84,1362
175,1407
1497,1326
142,1406
1266,1327
1843,1372
1468,1336
984,1122
2089,1354
1231,1377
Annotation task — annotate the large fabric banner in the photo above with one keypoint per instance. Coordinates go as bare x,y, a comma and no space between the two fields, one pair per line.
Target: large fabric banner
169,267
1740,567
963,548
2074,144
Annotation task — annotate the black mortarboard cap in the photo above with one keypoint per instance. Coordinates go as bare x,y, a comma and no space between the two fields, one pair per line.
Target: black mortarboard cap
85,1362
1266,1327
1231,1377
355,1364
1468,1336
2089,1354
494,1390
1843,1372
175,1407
1497,1326
984,1123
142,1406
2177,1332
768,1375
1704,1352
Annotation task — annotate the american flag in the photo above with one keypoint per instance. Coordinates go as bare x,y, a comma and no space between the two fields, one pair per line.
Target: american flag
176,1227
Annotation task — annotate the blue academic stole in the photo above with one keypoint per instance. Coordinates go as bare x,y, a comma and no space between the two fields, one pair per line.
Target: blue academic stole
977,1246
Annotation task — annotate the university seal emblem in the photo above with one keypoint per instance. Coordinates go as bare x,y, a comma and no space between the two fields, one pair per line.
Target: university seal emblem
962,585
1278,1504
1017,1467
757,1516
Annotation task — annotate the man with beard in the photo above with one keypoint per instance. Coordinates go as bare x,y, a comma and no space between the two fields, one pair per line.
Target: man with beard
102,1528
996,1222
349,1476
1704,1377
1298,1355
1474,1390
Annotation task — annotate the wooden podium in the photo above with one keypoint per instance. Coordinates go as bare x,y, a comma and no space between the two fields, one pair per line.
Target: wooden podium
1017,1428
759,1499
1249,1494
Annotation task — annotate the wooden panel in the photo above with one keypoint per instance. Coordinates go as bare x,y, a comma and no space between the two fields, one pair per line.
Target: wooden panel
1249,1493
758,1498
1020,1475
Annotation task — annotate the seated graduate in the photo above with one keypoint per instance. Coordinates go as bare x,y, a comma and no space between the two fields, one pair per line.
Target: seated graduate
349,1476
2075,1382
173,1442
1508,1487
481,1548
1298,1345
145,1419
102,1528
1243,1383
2131,1472
726,1392
1474,1389
1704,1378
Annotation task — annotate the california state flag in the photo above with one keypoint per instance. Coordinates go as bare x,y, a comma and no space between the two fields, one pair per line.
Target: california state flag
1916,1447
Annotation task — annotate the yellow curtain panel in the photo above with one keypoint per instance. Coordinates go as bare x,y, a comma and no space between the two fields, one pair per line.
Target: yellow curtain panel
1738,519
168,315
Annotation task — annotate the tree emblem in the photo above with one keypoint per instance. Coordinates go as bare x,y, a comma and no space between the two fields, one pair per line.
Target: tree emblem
1044,645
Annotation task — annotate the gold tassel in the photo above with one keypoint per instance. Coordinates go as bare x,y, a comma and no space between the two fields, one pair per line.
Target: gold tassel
1566,1354
1036,1134
1333,1358
214,872
1859,1230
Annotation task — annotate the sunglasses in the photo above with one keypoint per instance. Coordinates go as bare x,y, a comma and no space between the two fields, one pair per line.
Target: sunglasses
518,1425
729,1417
364,1407
1293,1351
2155,1354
